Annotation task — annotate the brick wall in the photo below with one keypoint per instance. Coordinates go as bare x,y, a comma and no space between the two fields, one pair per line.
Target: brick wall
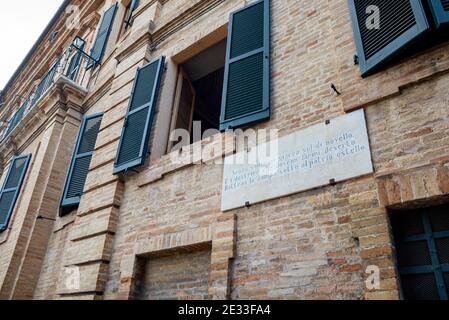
312,245
182,276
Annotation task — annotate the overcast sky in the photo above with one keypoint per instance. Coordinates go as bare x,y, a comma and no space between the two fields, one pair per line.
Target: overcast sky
21,23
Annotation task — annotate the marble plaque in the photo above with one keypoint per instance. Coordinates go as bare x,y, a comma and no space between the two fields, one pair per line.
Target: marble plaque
307,159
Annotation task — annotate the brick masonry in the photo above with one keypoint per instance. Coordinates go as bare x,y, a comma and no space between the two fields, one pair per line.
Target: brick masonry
137,231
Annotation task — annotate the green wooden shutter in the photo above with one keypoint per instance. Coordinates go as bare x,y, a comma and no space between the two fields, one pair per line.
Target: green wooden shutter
440,10
101,41
79,168
246,91
11,188
133,147
401,23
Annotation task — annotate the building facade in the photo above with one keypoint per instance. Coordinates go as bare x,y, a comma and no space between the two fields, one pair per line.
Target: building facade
94,205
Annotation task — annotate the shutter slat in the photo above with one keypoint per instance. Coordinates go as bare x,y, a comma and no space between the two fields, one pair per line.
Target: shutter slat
11,188
132,136
246,97
79,176
401,23
82,157
133,147
102,38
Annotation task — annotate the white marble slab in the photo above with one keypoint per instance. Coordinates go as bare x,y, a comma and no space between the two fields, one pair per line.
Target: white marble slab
307,159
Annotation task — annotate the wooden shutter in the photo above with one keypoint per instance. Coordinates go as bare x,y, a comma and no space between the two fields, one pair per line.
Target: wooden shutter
74,64
79,168
101,41
246,90
440,10
46,82
11,188
133,147
15,120
401,23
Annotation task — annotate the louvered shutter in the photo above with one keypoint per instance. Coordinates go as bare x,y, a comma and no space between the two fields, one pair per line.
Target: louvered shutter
440,10
133,147
401,23
11,188
46,82
101,41
15,120
74,64
246,91
79,168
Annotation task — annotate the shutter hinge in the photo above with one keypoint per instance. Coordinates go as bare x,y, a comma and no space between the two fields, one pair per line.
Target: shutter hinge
356,60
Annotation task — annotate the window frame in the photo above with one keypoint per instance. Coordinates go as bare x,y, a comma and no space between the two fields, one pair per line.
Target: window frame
178,95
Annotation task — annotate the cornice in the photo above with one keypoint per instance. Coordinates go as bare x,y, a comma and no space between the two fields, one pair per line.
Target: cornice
63,95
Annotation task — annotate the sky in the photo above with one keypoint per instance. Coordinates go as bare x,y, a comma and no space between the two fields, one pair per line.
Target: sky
21,23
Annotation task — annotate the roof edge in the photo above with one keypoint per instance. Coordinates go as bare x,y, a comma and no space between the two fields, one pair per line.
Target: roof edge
33,49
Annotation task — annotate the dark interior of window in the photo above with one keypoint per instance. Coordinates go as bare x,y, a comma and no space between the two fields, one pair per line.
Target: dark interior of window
422,248
199,93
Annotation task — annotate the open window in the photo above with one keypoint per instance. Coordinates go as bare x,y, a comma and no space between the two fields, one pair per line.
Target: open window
198,96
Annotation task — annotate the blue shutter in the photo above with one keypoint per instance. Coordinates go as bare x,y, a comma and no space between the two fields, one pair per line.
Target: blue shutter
46,82
133,147
401,23
440,10
101,41
11,188
134,5
246,91
15,120
79,168
74,64
129,16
